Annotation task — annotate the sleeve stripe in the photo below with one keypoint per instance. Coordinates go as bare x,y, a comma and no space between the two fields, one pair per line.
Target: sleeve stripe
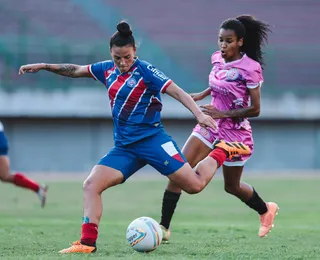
252,86
90,71
166,85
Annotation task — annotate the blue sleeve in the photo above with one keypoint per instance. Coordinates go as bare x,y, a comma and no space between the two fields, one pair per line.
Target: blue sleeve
97,70
156,79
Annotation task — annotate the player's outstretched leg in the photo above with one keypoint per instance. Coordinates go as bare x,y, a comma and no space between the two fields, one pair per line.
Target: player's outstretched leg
194,182
21,180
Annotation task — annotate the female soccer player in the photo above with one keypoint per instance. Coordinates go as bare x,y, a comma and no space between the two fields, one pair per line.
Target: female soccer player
18,179
236,78
134,88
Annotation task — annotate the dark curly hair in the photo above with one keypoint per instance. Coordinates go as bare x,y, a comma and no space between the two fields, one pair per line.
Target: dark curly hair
253,32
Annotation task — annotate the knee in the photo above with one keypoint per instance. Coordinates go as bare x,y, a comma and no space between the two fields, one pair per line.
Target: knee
194,188
232,189
3,178
5,175
6,178
89,186
173,187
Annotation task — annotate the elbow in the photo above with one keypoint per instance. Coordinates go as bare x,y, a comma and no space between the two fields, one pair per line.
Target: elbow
256,112
75,75
253,111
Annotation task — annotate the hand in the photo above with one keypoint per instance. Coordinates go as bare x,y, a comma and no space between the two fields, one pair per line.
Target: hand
31,68
197,96
207,121
212,111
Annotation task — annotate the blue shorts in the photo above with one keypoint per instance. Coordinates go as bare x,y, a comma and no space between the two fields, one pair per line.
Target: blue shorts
160,151
3,144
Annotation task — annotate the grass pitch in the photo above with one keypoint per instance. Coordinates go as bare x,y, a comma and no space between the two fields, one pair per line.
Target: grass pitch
210,225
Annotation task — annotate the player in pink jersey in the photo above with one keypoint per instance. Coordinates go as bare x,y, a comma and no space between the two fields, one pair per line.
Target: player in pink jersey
234,81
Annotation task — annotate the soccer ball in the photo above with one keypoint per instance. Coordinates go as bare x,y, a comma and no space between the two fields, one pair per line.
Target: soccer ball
144,234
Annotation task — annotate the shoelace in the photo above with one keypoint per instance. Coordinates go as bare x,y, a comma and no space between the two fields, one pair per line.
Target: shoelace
76,243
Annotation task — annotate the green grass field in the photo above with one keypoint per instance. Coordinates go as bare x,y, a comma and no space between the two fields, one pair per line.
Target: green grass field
210,225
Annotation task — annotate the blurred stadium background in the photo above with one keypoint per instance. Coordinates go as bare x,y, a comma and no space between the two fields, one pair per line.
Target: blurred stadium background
56,124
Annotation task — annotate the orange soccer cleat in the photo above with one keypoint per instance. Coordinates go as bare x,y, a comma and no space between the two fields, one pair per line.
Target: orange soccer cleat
266,220
77,247
232,148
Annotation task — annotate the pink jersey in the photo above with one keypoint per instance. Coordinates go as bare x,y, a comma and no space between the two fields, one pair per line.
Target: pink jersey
229,83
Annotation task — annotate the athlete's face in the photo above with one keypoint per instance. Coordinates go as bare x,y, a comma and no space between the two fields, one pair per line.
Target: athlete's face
123,57
229,45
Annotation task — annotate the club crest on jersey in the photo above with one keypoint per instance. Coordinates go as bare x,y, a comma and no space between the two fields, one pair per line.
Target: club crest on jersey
131,82
232,74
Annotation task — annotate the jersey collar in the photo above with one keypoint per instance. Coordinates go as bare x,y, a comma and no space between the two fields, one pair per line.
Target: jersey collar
134,64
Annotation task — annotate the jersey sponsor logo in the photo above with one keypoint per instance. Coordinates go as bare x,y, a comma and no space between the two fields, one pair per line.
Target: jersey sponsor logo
232,74
157,73
131,82
220,90
238,101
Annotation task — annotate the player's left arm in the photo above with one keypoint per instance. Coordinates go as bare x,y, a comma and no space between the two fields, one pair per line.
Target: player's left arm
185,99
251,111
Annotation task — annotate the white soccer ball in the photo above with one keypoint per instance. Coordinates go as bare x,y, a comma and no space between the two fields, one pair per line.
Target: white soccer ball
144,234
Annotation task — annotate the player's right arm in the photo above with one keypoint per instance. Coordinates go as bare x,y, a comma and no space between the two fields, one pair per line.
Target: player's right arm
67,70
200,95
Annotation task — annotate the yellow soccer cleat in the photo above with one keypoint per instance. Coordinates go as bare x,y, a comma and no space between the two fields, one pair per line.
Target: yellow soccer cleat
165,233
77,247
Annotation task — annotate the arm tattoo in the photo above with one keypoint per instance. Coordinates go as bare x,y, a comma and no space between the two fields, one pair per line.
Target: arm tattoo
67,70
